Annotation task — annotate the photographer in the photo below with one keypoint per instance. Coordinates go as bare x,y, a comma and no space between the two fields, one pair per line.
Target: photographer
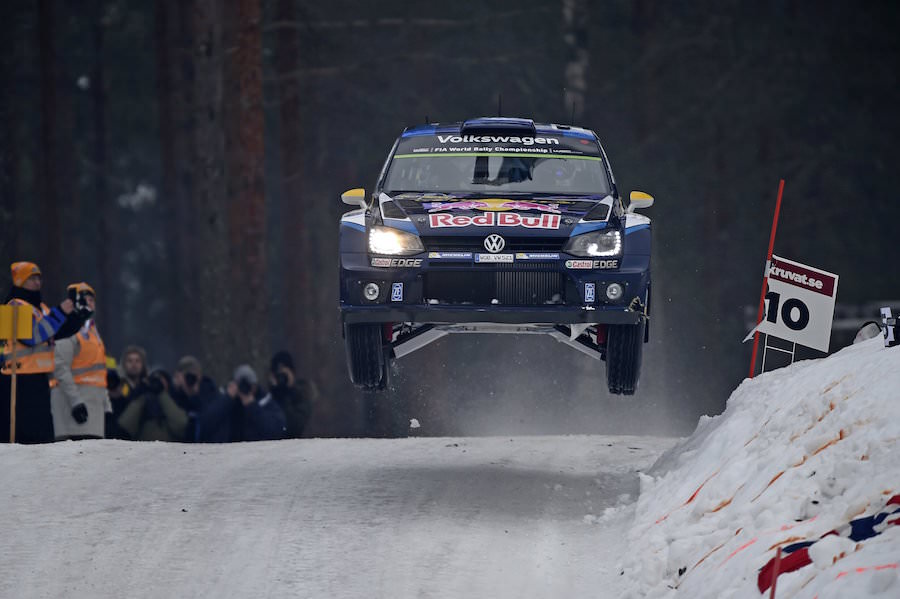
195,393
243,414
120,383
79,401
294,396
151,414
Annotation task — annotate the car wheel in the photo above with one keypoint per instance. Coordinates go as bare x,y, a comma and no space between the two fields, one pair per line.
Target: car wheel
624,348
365,356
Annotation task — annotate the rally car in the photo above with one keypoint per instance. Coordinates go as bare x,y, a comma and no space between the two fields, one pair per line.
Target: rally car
496,225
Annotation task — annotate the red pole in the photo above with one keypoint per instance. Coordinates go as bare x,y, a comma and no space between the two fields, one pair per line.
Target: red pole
776,567
762,294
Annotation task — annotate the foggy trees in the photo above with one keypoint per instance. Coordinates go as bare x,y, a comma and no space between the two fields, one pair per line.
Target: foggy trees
186,157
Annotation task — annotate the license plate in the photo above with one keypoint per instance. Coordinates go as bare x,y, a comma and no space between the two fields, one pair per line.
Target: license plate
493,258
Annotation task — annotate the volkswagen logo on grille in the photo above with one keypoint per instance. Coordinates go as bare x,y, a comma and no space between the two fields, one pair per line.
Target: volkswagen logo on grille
494,243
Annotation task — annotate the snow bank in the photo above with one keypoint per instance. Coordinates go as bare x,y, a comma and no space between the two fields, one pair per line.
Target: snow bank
797,453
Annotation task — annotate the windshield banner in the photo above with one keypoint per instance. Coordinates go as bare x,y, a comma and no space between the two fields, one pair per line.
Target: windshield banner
497,144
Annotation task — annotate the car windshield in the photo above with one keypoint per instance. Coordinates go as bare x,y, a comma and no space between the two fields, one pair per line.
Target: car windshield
497,172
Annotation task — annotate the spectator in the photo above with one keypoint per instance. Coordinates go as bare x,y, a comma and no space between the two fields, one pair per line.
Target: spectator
294,396
243,414
194,392
34,360
133,365
80,400
150,413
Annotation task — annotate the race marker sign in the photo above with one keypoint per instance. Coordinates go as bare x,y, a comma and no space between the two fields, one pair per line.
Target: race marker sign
799,304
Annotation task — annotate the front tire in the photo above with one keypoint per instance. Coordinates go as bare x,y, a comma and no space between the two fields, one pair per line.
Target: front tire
366,359
624,349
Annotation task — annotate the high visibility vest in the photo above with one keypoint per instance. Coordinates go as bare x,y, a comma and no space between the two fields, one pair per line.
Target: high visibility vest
30,360
89,364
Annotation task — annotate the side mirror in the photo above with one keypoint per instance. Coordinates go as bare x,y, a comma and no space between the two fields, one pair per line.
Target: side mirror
639,200
355,197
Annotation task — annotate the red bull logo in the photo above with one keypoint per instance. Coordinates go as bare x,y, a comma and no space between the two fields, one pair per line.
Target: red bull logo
491,219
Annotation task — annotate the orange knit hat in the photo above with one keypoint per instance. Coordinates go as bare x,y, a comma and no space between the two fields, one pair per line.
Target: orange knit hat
22,270
82,288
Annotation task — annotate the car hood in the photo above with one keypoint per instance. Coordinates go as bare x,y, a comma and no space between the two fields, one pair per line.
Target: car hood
436,214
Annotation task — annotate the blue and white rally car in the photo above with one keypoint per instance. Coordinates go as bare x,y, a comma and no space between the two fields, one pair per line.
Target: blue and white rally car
495,225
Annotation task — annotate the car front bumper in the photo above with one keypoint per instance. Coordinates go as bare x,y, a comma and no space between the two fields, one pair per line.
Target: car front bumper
408,294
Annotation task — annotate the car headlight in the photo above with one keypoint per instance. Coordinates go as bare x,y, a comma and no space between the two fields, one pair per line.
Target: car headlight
598,243
393,242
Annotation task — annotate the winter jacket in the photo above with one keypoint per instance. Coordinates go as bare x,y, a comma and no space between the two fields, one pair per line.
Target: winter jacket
33,355
67,394
153,417
194,405
119,402
296,402
228,420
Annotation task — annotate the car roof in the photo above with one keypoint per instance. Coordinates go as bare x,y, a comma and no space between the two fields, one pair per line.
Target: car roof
484,125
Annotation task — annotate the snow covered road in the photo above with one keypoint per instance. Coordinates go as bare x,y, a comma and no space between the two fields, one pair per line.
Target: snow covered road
437,517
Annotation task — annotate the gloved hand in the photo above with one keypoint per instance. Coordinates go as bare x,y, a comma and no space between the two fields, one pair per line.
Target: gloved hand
80,413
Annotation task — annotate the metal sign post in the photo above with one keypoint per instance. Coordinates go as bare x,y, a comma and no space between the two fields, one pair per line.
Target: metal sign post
890,327
766,347
12,387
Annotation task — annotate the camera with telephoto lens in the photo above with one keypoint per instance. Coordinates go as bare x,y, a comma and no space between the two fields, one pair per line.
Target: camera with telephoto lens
244,387
281,379
190,379
79,301
112,379
155,383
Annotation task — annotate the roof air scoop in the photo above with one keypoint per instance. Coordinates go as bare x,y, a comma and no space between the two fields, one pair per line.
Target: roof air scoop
496,125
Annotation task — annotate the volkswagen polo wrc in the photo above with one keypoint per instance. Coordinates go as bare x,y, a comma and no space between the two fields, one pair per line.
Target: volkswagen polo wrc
495,225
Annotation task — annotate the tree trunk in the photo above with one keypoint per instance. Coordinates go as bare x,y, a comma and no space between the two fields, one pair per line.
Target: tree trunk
167,194
295,305
8,183
244,166
175,97
8,151
214,331
575,36
48,229
107,256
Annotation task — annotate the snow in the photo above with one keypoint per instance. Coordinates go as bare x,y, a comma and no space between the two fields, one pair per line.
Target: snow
420,517
797,453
